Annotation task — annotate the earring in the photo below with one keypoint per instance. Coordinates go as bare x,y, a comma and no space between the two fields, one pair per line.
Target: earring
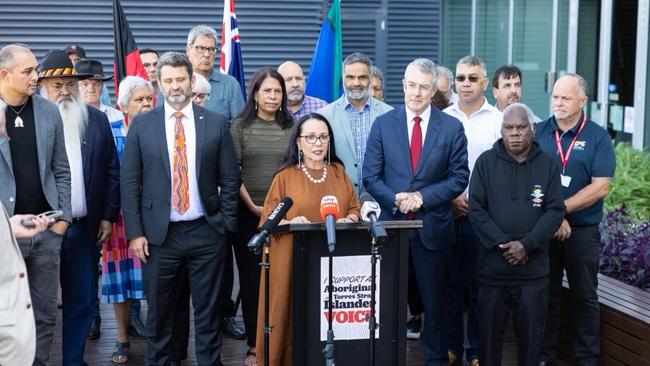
328,155
299,157
255,105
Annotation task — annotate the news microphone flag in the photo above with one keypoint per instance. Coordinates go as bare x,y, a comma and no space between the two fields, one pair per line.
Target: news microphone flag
127,57
231,61
324,79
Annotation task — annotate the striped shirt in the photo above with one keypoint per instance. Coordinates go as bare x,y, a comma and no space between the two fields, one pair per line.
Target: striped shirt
309,105
360,125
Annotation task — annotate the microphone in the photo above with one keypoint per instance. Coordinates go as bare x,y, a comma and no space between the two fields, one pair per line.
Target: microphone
271,222
370,210
329,211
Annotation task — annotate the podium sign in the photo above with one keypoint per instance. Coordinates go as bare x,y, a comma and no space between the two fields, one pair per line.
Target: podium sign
351,300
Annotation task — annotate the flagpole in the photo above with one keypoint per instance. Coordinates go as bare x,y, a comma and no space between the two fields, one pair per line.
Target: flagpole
119,55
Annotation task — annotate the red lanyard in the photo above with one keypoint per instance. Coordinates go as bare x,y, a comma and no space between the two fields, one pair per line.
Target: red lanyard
564,157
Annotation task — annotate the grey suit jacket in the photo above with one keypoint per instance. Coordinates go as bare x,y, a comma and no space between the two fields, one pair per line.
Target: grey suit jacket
52,161
17,327
343,138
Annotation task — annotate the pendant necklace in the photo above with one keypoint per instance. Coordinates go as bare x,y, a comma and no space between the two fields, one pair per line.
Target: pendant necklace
18,122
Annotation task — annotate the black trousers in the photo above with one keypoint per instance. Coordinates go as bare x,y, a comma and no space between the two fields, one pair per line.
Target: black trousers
528,306
248,265
413,299
201,249
579,256
181,317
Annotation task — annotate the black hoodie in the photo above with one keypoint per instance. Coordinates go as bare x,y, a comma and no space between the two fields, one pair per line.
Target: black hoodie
509,201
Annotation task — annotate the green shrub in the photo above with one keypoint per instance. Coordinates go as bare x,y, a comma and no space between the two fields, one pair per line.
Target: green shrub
631,184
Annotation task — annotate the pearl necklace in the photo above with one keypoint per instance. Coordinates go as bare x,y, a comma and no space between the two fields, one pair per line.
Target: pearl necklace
317,181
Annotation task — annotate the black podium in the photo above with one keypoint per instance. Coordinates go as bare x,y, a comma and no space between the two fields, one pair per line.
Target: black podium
351,293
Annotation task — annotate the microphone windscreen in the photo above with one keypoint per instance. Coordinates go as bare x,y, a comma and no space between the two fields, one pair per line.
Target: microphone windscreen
329,205
277,214
369,207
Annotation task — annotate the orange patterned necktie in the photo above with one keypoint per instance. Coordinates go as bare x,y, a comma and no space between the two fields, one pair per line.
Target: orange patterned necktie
180,184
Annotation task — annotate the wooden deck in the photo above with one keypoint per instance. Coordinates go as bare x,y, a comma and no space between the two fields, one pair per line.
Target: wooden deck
98,352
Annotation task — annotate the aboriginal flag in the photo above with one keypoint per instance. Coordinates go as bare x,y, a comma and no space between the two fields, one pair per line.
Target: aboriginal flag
127,56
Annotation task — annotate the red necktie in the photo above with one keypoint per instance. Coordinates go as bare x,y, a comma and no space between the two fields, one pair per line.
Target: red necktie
180,183
416,143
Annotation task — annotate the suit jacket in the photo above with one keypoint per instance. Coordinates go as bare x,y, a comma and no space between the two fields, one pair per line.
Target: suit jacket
146,178
343,138
17,327
441,175
101,170
52,160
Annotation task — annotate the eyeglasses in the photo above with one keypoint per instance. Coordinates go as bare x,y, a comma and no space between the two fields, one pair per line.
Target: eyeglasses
201,49
471,78
311,139
201,96
421,87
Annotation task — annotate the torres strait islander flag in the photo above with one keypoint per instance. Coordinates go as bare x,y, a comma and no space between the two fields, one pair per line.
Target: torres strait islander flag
324,80
231,61
127,56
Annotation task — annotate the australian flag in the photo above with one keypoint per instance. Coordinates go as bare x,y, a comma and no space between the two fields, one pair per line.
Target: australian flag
231,61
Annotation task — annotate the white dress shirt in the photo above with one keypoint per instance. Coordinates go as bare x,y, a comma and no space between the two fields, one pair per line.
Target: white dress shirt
410,123
482,128
196,208
77,186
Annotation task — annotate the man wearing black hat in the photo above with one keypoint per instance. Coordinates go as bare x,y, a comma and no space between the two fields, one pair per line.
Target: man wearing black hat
94,171
75,53
35,177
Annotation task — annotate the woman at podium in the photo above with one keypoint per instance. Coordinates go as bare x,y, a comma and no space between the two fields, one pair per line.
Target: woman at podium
310,171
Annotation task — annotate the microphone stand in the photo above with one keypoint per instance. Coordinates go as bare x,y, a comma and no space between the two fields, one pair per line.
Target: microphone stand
372,325
266,263
328,351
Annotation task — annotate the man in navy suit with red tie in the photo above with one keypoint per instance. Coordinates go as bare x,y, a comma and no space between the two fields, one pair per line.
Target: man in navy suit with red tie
415,165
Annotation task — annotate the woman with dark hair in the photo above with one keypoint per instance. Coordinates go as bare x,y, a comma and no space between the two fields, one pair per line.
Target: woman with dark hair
260,135
310,171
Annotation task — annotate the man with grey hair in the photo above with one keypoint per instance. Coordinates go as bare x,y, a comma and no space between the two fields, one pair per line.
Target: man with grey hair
514,224
445,86
37,181
352,115
201,90
583,151
178,206
226,95
94,171
298,103
377,83
482,123
226,98
415,165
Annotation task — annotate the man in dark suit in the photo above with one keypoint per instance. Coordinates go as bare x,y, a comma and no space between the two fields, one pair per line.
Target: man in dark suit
180,188
415,165
95,198
35,177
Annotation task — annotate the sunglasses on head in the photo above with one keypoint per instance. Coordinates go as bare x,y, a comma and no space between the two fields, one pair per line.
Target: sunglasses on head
471,78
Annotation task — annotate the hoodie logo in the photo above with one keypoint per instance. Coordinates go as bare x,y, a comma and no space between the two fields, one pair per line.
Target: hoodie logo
580,145
537,196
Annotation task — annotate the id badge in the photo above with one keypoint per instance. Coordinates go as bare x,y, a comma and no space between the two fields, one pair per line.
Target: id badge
566,180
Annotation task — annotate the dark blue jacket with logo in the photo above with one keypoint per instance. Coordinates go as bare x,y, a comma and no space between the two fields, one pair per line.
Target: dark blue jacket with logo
509,200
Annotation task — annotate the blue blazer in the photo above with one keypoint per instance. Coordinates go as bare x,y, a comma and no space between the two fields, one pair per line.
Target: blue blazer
441,175
101,170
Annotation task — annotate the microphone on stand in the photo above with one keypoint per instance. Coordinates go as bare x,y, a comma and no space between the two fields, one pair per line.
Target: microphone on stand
329,211
370,210
271,222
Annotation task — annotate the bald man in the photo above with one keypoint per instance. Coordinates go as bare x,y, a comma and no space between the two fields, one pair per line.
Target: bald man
584,153
298,103
35,177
